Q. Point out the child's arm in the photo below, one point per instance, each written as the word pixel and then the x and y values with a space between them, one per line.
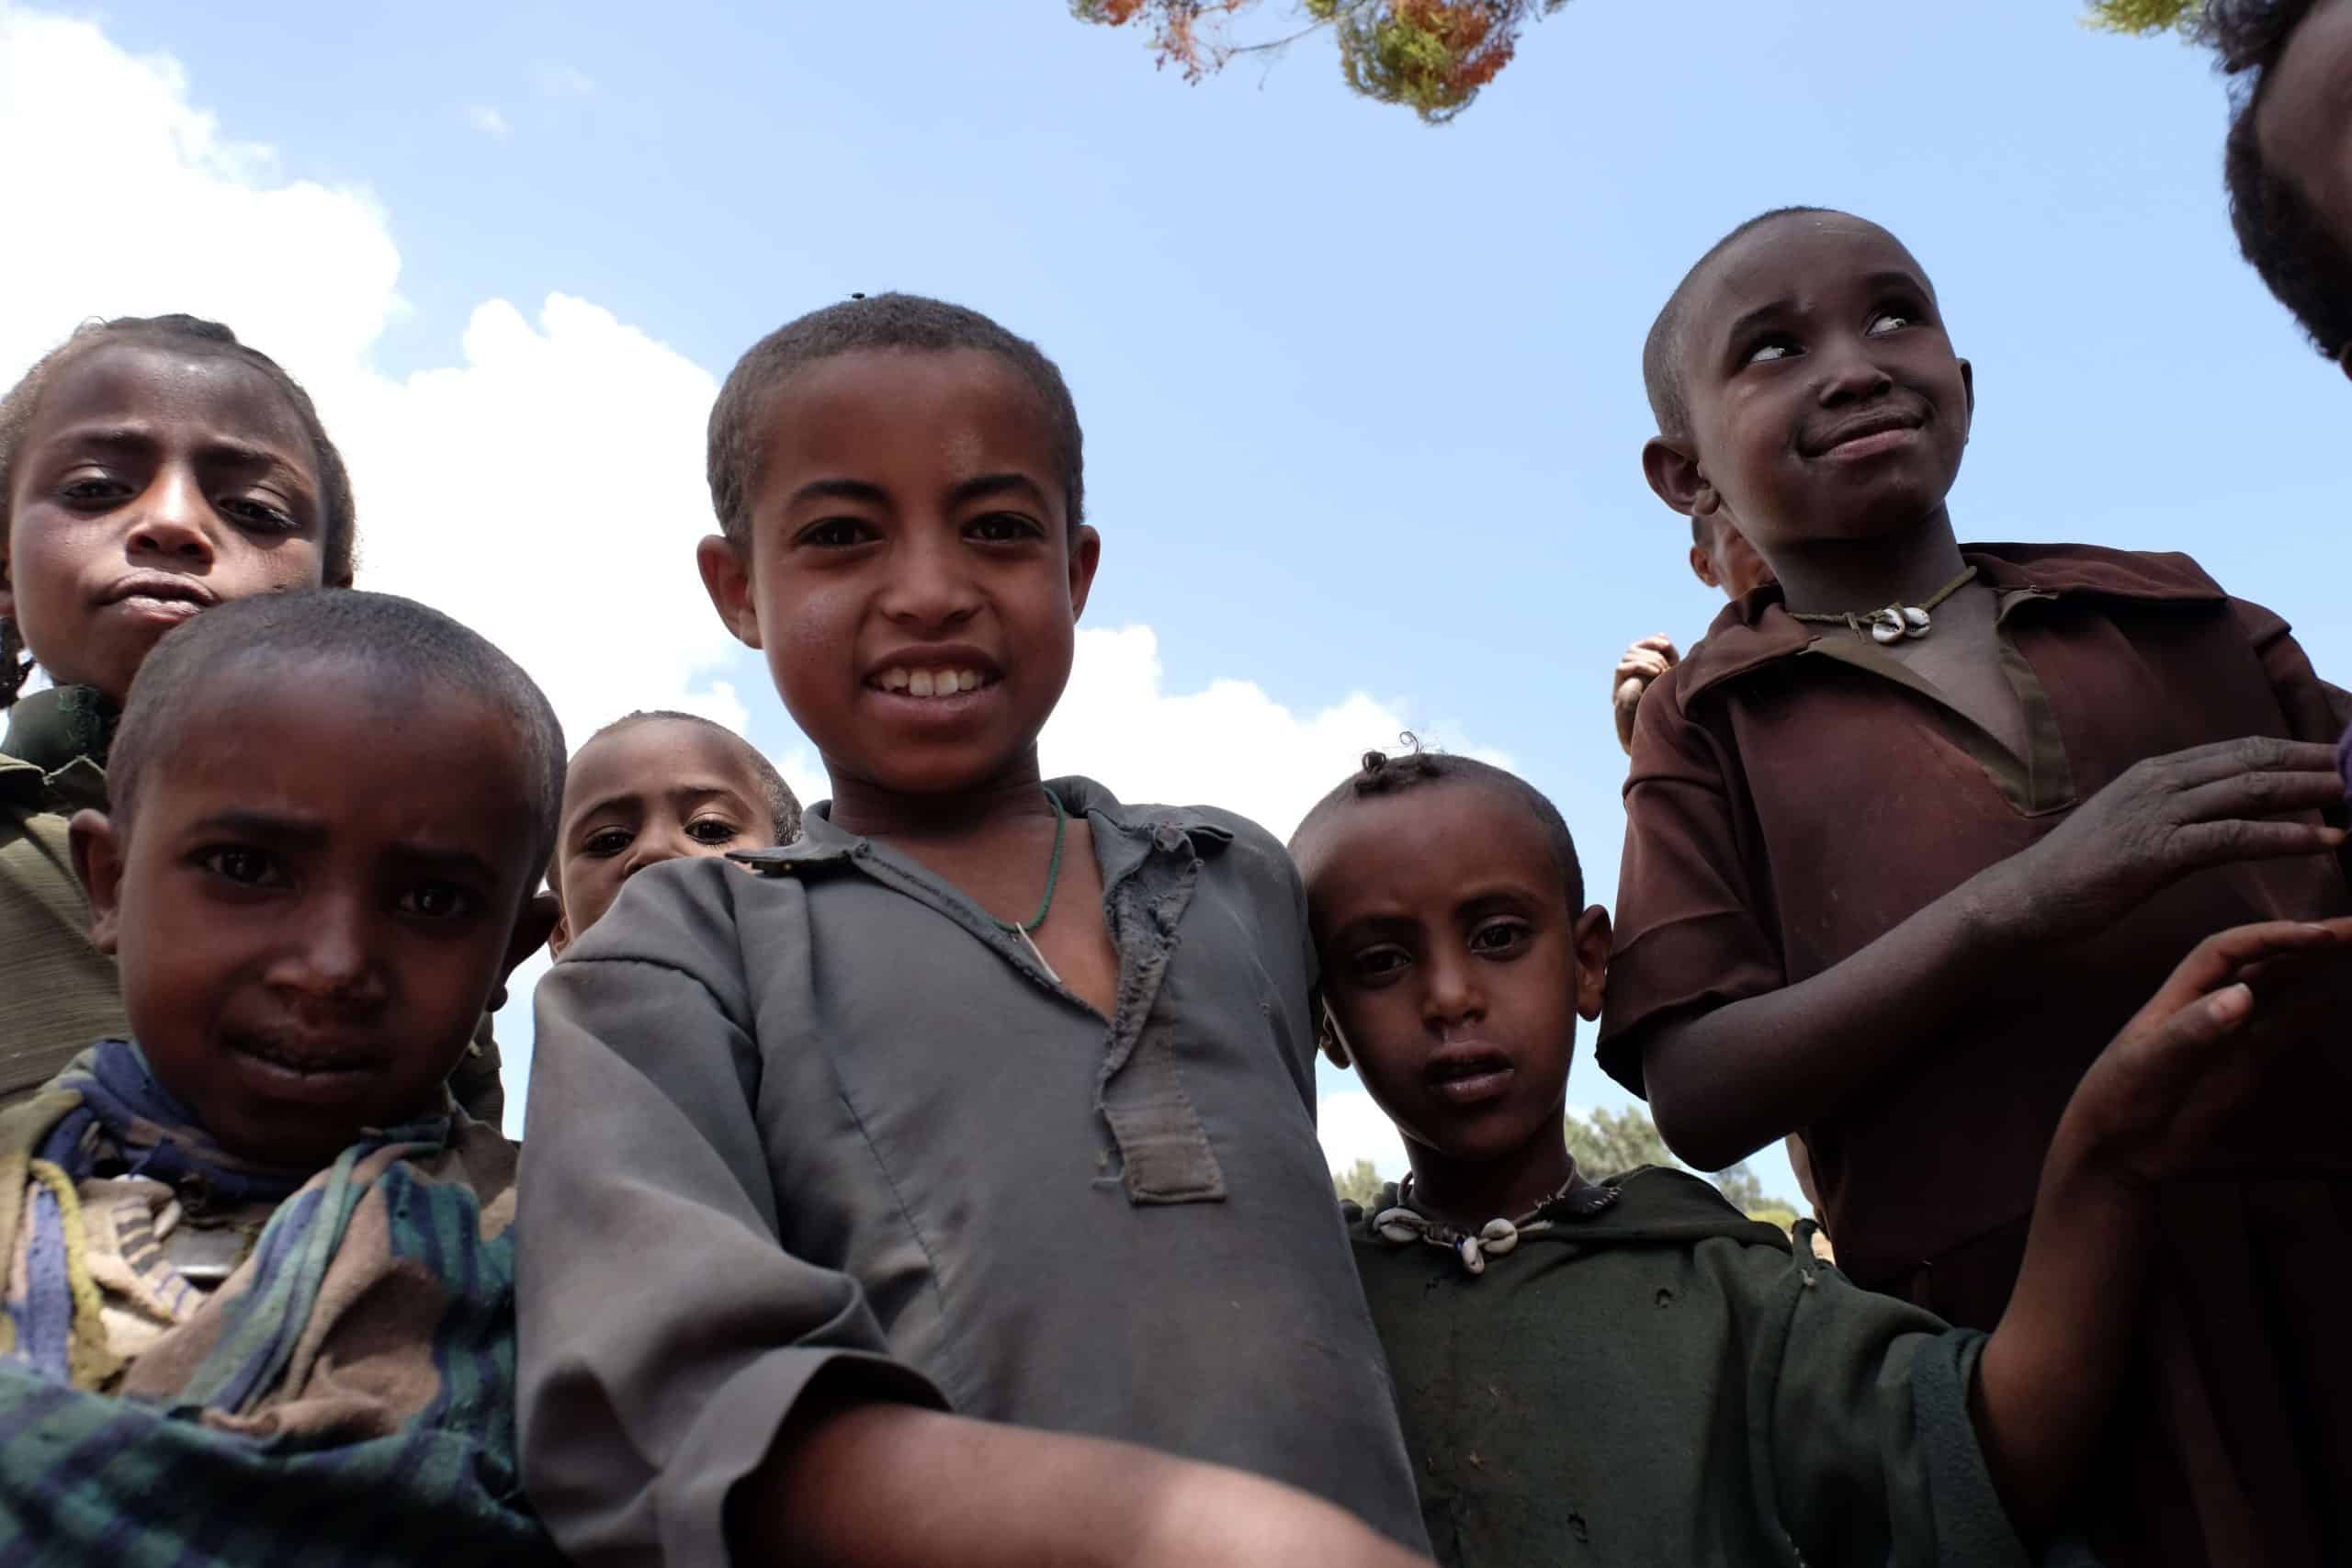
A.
pixel 1724 1082
pixel 889 1484
pixel 2141 1114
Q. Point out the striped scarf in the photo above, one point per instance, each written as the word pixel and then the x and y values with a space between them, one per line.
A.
pixel 345 1396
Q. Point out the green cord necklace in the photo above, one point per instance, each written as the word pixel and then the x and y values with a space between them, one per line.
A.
pixel 1045 905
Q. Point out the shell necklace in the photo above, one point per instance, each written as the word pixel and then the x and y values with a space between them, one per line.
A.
pixel 1896 623
pixel 1401 1224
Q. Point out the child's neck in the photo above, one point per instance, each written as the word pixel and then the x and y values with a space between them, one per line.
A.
pixel 870 810
pixel 1470 1192
pixel 1835 577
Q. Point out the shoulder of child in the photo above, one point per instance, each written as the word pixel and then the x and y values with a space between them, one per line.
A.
pixel 2143 574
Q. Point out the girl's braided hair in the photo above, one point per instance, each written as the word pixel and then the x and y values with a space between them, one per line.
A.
pixel 1382 773
pixel 338 525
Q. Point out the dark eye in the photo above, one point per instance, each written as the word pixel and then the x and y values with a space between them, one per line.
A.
pixel 1499 939
pixel 93 488
pixel 247 868
pixel 1375 965
pixel 1770 349
pixel 438 900
pixel 606 842
pixel 1003 528
pixel 835 534
pixel 1891 321
pixel 712 830
pixel 251 511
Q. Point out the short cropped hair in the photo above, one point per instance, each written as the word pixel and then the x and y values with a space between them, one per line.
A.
pixel 338 523
pixel 1662 350
pixel 2306 267
pixel 1383 774
pixel 421 649
pixel 879 323
pixel 784 807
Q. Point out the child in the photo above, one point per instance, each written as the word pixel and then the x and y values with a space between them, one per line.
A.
pixel 1630 1371
pixel 259 1270
pixel 149 467
pixel 1910 834
pixel 1721 558
pixel 987 1094
pixel 652 787
pixel 2285 162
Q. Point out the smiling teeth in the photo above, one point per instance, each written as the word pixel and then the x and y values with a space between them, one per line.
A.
pixel 929 683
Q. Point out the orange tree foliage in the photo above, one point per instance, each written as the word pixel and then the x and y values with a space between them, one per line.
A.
pixel 1432 56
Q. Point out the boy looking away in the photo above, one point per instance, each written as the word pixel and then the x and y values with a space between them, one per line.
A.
pixel 1631 1371
pixel 1912 833
pixel 989 1094
pixel 260 1289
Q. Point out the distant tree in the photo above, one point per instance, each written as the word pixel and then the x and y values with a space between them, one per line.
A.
pixel 1616 1141
pixel 1359 1184
pixel 1432 56
pixel 2142 17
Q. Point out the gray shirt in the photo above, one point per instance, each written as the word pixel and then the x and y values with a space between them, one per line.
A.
pixel 831 1119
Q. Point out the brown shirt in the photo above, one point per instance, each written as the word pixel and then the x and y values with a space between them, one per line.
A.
pixel 1796 794
pixel 832 1124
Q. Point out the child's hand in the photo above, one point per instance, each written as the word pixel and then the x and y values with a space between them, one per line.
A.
pixel 2149 1107
pixel 1644 662
pixel 2169 816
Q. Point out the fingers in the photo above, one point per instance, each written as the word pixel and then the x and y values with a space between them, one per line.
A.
pixel 2213 843
pixel 2268 793
pixel 2226 957
pixel 2251 754
pixel 1643 664
pixel 1661 645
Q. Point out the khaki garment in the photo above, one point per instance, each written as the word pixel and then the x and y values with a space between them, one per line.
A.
pixel 1795 795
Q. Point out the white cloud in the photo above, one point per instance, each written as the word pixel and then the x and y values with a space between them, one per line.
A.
pixel 1354 1128
pixel 554 79
pixel 487 120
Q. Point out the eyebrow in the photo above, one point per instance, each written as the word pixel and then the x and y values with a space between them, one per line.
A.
pixel 839 490
pixel 308 833
pixel 1889 277
pixel 981 486
pixel 978 487
pixel 694 790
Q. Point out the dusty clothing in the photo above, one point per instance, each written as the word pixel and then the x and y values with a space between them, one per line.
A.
pixel 1795 795
pixel 57 992
pixel 1664 1382
pixel 346 1393
pixel 832 1121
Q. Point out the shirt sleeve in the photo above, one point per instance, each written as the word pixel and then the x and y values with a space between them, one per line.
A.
pixel 665 1333
pixel 2315 710
pixel 1688 935
pixel 1867 1448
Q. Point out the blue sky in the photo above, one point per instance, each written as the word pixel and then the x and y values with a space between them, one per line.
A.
pixel 1361 397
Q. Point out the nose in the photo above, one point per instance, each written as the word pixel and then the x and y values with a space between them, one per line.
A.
pixel 1453 993
pixel 654 845
pixel 931 587
pixel 1851 373
pixel 333 959
pixel 173 519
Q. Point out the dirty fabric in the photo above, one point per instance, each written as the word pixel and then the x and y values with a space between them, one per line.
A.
pixel 1665 1381
pixel 344 1395
pixel 830 1120
pixel 1794 795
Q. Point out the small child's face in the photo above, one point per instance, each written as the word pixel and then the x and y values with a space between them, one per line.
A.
pixel 152 484
pixel 1825 402
pixel 2304 125
pixel 1454 965
pixel 911 574
pixel 650 792
pixel 311 921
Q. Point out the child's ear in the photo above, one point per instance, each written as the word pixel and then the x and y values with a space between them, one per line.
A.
pixel 1592 938
pixel 1674 475
pixel 1085 555
pixel 1327 1037
pixel 1702 567
pixel 726 578
pixel 560 937
pixel 97 846
pixel 532 926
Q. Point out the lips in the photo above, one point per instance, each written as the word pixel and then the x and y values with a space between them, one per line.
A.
pixel 934 672
pixel 1868 432
pixel 160 595
pixel 1468 1073
pixel 296 1068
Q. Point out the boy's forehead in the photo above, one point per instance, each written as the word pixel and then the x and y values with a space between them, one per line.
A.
pixel 1427 841
pixel 869 410
pixel 650 756
pixel 138 382
pixel 1792 257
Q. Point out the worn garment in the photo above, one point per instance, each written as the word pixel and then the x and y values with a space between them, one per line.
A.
pixel 1796 794
pixel 345 1396
pixel 1664 1382
pixel 57 992
pixel 832 1121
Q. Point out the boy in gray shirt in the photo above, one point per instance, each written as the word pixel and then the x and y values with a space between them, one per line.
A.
pixel 988 1095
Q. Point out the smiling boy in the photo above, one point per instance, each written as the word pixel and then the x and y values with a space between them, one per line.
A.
pixel 1912 833
pixel 259 1272
pixel 989 1093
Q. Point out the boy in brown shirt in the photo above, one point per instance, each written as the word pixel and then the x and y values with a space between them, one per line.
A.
pixel 1910 836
